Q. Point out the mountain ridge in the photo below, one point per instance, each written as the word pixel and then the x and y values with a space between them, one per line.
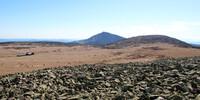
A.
pixel 109 40
pixel 147 39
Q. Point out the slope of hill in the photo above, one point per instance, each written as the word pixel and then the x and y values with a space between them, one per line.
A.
pixel 101 39
pixel 147 39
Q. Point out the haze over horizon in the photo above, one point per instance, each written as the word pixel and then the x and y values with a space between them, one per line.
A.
pixel 78 19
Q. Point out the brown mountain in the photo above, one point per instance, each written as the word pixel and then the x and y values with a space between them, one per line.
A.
pixel 148 39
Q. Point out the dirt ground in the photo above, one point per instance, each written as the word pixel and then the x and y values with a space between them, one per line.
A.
pixel 55 56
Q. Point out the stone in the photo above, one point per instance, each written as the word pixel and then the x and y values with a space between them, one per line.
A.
pixel 197 97
pixel 181 87
pixel 127 87
pixel 171 79
pixel 1 88
pixel 43 86
pixel 120 97
pixel 176 97
pixel 52 75
pixel 156 97
pixel 117 80
pixel 160 98
pixel 107 84
pixel 113 92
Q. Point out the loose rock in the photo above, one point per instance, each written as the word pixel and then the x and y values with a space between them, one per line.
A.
pixel 166 79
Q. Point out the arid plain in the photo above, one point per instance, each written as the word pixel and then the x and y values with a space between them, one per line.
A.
pixel 46 56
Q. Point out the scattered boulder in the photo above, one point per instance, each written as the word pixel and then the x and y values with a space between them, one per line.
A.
pixel 25 54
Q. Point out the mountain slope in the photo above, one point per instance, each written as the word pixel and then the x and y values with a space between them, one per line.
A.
pixel 101 39
pixel 134 41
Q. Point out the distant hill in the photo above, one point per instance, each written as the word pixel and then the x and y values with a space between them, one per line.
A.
pixel 101 39
pixel 134 41
pixel 195 45
pixel 35 40
pixel 47 43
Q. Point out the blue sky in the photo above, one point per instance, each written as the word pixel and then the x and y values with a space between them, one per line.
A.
pixel 79 19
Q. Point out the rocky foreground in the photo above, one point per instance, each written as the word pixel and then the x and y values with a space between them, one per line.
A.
pixel 169 79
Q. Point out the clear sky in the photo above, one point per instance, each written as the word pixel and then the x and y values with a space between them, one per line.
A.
pixel 79 19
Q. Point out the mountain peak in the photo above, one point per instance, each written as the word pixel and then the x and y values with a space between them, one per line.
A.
pixel 102 39
pixel 103 34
